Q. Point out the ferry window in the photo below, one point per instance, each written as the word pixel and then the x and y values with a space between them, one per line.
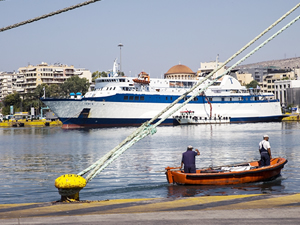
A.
pixel 142 98
pixel 166 98
pixel 196 99
pixel 230 99
pixel 210 99
pixel 171 98
pixel 223 99
pixel 125 97
pixel 136 98
pixel 179 84
pixel 114 88
pixel 172 84
pixel 130 97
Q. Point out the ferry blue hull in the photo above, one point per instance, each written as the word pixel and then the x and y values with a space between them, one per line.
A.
pixel 69 123
pixel 257 119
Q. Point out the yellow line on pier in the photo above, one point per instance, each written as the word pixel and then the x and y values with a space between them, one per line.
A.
pixel 172 204
pixel 149 205
pixel 271 202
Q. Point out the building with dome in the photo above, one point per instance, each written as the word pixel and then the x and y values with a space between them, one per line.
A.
pixel 180 72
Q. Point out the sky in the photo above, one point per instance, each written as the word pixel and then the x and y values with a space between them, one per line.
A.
pixel 156 34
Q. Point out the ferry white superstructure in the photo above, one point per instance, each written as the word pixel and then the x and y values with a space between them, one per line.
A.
pixel 125 101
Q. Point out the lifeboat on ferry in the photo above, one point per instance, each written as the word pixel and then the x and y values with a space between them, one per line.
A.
pixel 143 78
pixel 237 174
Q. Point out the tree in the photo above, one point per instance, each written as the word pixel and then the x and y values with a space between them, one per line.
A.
pixel 11 100
pixel 95 75
pixel 39 91
pixel 74 84
pixel 98 74
pixel 252 84
pixel 55 91
pixel 122 74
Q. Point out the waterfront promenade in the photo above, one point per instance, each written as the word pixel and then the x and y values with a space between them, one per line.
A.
pixel 230 209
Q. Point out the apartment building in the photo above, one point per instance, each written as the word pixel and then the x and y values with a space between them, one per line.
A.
pixel 29 77
pixel 7 79
pixel 244 78
pixel 267 84
pixel 207 67
pixel 288 91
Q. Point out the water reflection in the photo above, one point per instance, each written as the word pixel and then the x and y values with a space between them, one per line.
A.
pixel 208 190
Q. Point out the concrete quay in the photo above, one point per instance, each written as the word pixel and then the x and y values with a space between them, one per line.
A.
pixel 232 209
pixel 29 123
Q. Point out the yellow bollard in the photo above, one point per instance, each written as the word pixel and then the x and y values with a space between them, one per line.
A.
pixel 69 185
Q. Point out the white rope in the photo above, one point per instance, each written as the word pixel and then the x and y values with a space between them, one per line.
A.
pixel 147 129
pixel 48 15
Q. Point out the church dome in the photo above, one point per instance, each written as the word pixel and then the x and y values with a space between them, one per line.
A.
pixel 179 69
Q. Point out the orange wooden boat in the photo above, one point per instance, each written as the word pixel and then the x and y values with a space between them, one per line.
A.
pixel 143 78
pixel 238 174
pixel 137 80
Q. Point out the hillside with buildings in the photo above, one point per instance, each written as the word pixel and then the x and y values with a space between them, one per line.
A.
pixel 280 77
pixel 281 63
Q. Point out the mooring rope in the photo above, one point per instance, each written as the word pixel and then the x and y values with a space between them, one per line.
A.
pixel 48 15
pixel 146 128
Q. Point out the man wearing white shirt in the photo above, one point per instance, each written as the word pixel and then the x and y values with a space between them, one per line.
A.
pixel 265 151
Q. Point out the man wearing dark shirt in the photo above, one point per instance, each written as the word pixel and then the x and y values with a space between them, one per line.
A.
pixel 188 159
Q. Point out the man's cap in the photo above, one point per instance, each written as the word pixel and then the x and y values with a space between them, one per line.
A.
pixel 189 147
pixel 266 136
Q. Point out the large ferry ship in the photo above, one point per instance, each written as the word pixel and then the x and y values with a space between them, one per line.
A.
pixel 126 101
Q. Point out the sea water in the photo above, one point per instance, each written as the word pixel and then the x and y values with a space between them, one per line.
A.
pixel 32 158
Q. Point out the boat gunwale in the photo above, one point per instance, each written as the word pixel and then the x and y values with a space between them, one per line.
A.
pixel 233 173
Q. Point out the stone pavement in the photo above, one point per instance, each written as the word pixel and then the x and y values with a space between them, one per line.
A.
pixel 232 209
